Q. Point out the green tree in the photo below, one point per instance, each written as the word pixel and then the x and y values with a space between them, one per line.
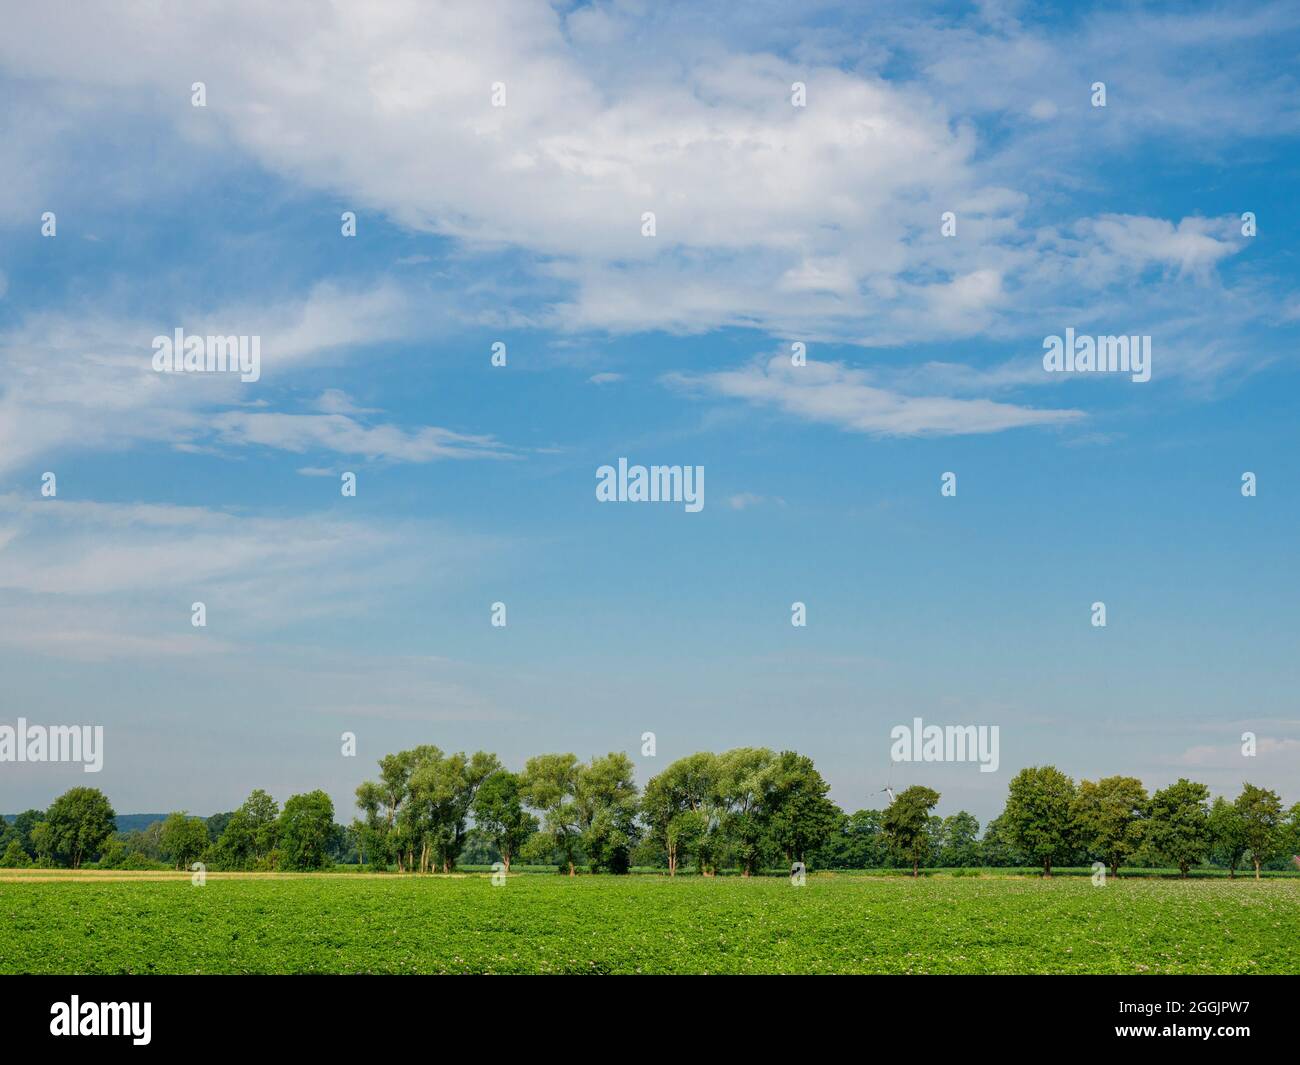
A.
pixel 1037 819
pixel 1261 818
pixel 548 783
pixel 855 843
pixel 801 817
pixel 147 842
pixel 906 823
pixel 20 829
pixel 305 829
pixel 114 853
pixel 45 844
pixel 867 846
pixel 436 817
pixel 385 838
pixel 539 849
pixel 217 824
pixel 183 839
pixel 344 845
pixel 1291 836
pixel 393 789
pixel 935 837
pixel 996 849
pixel 500 815
pixel 677 807
pixel 1179 823
pixel 372 827
pixel 14 856
pixel 605 808
pixel 1109 814
pixel 248 839
pixel 1227 835
pixel 76 825
pixel 960 840
pixel 746 777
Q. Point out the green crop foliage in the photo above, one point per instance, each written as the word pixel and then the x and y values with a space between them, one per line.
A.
pixel 642 924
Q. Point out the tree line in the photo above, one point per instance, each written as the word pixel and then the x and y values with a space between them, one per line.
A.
pixel 749 810
pixel 1050 821
pixel 80 827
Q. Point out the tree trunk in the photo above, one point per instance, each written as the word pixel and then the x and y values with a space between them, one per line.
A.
pixel 1182 870
pixel 1256 861
pixel 1047 868
pixel 915 864
pixel 571 872
pixel 505 860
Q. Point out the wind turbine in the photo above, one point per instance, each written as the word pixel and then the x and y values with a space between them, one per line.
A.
pixel 889 791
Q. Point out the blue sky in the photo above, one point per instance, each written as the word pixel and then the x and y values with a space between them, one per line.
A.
pixel 774 225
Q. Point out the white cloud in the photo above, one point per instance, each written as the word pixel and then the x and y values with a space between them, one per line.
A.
pixel 820 222
pixel 336 401
pixel 824 207
pixel 745 500
pixel 1271 751
pixel 1194 245
pixel 87 382
pixel 336 432
pixel 835 394
pixel 90 579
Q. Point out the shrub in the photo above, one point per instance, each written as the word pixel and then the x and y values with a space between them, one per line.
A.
pixel 14 856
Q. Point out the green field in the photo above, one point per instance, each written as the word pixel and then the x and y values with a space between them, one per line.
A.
pixel 550 924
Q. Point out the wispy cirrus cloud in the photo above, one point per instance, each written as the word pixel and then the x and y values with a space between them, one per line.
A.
pixel 747 500
pixel 339 433
pixel 92 579
pixel 86 382
pixel 835 394
pixel 1272 752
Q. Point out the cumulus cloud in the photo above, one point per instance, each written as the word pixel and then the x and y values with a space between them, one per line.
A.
pixel 817 222
pixel 821 218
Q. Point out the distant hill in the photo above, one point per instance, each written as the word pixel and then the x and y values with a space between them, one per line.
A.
pixel 125 822
pixel 135 822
